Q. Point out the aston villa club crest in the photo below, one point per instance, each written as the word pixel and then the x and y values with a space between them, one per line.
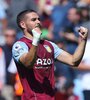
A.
pixel 48 48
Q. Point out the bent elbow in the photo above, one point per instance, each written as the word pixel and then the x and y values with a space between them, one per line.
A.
pixel 75 64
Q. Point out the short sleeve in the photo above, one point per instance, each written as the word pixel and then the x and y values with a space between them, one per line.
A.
pixel 57 50
pixel 19 48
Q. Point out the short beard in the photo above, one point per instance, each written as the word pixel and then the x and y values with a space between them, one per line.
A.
pixel 29 31
pixel 39 26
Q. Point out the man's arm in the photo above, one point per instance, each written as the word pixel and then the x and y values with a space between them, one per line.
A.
pixel 27 58
pixel 76 58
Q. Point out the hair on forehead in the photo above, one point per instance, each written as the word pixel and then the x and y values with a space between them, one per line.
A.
pixel 22 15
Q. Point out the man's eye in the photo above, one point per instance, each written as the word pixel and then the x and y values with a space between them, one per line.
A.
pixel 34 19
pixel 39 19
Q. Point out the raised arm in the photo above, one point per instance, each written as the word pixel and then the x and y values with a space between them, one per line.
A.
pixel 28 58
pixel 75 59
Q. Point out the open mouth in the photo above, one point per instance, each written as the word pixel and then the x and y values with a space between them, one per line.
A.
pixel 38 25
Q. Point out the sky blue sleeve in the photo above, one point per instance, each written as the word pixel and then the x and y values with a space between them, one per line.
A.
pixel 19 48
pixel 57 50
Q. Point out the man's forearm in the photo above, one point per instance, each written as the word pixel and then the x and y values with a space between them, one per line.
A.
pixel 28 59
pixel 77 56
pixel 31 56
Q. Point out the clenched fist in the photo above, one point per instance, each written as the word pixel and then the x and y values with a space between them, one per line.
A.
pixel 36 35
pixel 83 32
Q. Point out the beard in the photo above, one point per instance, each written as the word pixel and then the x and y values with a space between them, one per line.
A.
pixel 30 29
pixel 39 26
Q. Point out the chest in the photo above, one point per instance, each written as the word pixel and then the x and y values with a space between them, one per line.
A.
pixel 45 51
pixel 44 55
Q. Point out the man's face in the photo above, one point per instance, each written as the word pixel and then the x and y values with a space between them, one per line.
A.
pixel 31 21
pixel 10 36
pixel 72 15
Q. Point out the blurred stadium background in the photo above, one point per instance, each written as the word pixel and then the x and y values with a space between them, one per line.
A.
pixel 60 20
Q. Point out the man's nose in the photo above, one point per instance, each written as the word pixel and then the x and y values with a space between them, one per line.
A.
pixel 38 21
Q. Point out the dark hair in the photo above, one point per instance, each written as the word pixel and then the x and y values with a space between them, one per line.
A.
pixel 21 16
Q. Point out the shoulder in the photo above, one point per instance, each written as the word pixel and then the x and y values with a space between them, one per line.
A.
pixel 48 41
pixel 18 49
pixel 52 43
pixel 19 44
pixel 57 50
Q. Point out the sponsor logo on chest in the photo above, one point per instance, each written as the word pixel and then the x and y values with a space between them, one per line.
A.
pixel 45 61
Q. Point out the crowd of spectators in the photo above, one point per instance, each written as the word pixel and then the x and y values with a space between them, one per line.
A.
pixel 60 20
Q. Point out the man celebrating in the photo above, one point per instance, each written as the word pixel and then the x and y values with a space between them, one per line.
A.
pixel 35 57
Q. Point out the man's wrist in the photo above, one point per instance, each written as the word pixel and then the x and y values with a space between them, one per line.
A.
pixel 84 39
pixel 36 37
pixel 35 41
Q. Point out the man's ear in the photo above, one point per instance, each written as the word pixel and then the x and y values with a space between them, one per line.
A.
pixel 22 24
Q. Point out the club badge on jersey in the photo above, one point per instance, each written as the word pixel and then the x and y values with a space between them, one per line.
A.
pixel 48 48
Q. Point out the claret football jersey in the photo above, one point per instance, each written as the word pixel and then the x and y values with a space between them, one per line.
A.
pixel 37 81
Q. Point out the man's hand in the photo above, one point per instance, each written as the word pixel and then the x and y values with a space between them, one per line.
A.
pixel 36 35
pixel 83 32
